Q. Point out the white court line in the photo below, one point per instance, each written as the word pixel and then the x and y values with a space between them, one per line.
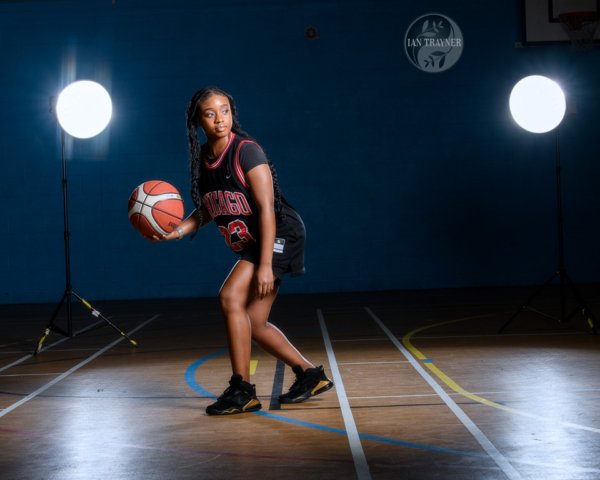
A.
pixel 534 392
pixel 498 335
pixel 358 455
pixel 27 357
pixel 56 350
pixel 483 335
pixel 14 352
pixel 411 395
pixel 72 370
pixel 479 436
pixel 378 339
pixel 372 363
pixel 58 342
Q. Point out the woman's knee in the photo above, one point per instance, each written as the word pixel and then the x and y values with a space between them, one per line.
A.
pixel 230 300
pixel 235 291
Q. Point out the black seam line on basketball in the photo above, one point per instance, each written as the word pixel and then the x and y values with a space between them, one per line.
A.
pixel 154 207
pixel 277 386
pixel 160 182
pixel 150 192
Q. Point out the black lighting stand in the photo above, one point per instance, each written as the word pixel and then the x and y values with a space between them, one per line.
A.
pixel 566 284
pixel 69 293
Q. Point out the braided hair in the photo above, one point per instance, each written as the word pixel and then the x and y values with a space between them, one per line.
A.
pixel 195 148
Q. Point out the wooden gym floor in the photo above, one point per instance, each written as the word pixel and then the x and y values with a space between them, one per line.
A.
pixel 426 389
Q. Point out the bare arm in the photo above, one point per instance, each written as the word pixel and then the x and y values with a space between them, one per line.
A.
pixel 261 185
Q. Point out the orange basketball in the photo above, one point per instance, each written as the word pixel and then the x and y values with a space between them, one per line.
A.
pixel 155 208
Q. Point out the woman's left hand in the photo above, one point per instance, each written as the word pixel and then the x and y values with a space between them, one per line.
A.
pixel 265 281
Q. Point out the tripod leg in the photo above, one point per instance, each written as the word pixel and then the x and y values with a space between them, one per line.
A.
pixel 525 305
pixel 586 312
pixel 97 314
pixel 50 327
pixel 514 315
pixel 590 319
pixel 41 340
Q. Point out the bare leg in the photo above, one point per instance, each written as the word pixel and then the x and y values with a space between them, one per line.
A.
pixel 233 300
pixel 246 317
pixel 269 337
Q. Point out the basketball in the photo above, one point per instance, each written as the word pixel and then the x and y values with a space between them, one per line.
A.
pixel 155 208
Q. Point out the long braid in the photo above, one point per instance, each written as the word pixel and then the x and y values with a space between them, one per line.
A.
pixel 195 148
pixel 276 192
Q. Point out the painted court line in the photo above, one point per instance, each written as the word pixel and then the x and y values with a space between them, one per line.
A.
pixel 344 340
pixel 190 379
pixel 58 379
pixel 373 363
pixel 277 385
pixel 54 344
pixel 49 347
pixel 479 436
pixel 27 357
pixel 431 366
pixel 533 392
pixel 497 335
pixel 358 454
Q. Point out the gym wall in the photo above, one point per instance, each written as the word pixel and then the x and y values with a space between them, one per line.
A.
pixel 405 179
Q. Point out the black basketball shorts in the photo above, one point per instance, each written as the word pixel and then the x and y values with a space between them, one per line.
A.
pixel 288 250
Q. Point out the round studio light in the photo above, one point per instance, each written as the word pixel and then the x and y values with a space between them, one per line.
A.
pixel 537 104
pixel 84 109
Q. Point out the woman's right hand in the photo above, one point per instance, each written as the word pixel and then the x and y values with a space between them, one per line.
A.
pixel 191 224
pixel 176 234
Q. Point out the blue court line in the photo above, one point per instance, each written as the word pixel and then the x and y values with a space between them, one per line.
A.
pixel 190 379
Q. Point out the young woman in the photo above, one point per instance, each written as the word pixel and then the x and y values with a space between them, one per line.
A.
pixel 234 184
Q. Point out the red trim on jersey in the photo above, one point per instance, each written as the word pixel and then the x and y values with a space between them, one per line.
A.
pixel 239 172
pixel 219 160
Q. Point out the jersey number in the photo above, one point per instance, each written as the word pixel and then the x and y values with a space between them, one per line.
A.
pixel 238 229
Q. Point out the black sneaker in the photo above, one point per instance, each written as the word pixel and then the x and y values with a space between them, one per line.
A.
pixel 309 383
pixel 239 397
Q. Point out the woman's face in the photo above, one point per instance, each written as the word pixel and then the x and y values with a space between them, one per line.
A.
pixel 215 117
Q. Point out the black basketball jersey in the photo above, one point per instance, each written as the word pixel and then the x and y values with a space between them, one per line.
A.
pixel 226 194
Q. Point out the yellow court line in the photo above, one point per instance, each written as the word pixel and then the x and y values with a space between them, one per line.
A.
pixel 406 341
pixel 253 366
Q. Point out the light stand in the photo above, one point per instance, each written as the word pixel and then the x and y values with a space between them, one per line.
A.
pixel 79 98
pixel 554 117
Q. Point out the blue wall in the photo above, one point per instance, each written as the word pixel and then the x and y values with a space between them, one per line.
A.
pixel 405 179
